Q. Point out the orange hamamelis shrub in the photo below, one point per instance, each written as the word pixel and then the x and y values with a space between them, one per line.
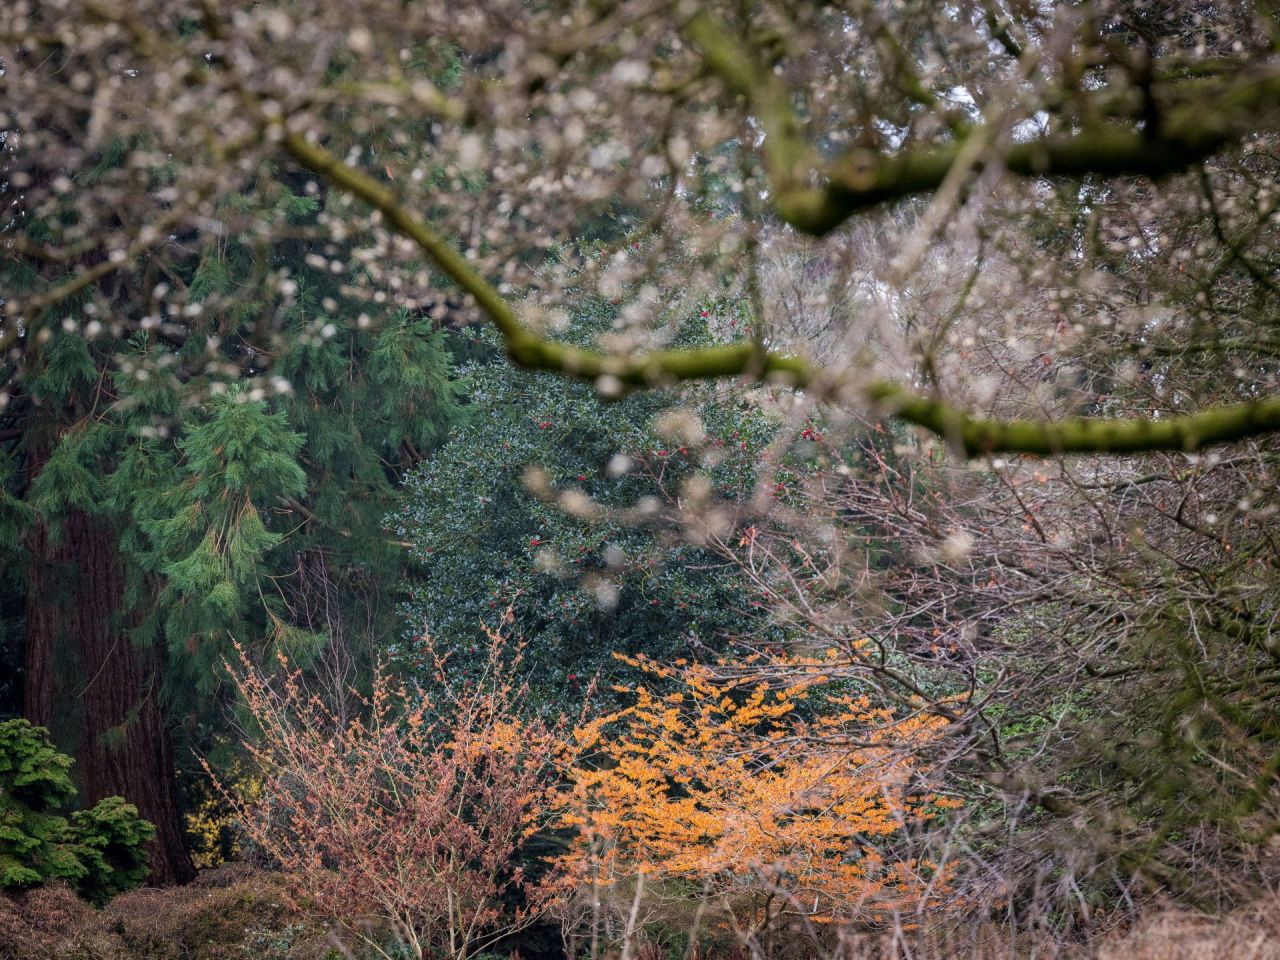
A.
pixel 779 801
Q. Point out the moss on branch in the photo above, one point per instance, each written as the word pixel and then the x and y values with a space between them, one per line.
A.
pixel 977 435
pixel 974 436
pixel 816 196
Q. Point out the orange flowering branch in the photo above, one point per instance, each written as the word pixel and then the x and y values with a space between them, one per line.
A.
pixel 783 800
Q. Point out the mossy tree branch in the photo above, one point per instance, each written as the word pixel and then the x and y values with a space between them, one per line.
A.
pixel 972 435
pixel 1199 117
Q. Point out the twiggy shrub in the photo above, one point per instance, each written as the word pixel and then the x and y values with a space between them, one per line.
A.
pixel 403 825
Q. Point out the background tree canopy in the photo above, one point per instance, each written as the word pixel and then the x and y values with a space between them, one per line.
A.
pixel 165 496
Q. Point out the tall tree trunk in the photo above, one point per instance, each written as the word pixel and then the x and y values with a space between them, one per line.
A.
pixel 97 692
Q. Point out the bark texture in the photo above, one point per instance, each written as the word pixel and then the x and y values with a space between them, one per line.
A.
pixel 87 682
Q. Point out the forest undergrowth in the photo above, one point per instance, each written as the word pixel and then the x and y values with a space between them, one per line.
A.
pixel 235 913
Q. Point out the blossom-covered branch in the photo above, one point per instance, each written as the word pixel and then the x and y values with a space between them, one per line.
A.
pixel 1198 118
pixel 971 435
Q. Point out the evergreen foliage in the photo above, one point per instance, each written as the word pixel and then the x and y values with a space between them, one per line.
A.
pixel 241 452
pixel 204 531
pixel 578 589
pixel 100 851
pixel 209 467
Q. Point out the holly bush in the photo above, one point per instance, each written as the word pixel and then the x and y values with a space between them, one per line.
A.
pixel 578 589
pixel 100 851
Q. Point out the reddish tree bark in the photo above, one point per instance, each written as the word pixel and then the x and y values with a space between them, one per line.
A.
pixel 86 681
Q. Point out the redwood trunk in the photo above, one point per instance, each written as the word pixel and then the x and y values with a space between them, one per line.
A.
pixel 97 692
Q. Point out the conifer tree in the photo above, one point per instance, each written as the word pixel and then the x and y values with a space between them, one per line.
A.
pixel 205 463
pixel 100 850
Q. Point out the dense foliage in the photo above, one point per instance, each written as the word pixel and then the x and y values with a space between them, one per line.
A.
pixel 486 518
pixel 935 342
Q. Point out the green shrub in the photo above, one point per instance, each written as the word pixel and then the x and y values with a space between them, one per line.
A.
pixel 100 852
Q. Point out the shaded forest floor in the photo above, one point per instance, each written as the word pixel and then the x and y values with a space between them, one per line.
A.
pixel 235 913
